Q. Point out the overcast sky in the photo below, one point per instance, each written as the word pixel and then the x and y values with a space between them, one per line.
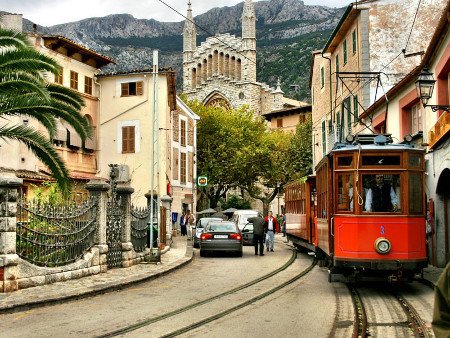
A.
pixel 52 12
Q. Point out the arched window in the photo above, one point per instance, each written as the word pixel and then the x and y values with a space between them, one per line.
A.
pixel 238 70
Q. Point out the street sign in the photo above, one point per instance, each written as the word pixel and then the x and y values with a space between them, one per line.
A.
pixel 202 181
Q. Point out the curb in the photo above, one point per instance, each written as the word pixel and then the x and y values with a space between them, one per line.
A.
pixel 101 289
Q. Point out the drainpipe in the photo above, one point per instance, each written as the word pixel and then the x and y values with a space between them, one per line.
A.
pixel 99 153
pixel 331 88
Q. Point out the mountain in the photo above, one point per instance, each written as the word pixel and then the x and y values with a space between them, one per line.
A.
pixel 287 32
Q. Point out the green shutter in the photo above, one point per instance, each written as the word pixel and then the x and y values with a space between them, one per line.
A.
pixel 322 77
pixel 355 109
pixel 345 51
pixel 324 139
pixel 354 41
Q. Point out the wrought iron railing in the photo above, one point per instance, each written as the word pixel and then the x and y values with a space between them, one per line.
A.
pixel 139 223
pixel 54 235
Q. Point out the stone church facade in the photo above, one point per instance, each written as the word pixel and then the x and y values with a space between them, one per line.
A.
pixel 222 70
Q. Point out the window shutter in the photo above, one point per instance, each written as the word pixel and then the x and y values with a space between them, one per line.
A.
pixel 131 139
pixel 124 139
pixel 140 88
pixel 124 89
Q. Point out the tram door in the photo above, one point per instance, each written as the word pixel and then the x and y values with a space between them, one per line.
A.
pixel 312 207
pixel 442 214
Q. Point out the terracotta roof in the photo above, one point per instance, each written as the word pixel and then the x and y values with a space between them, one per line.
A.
pixel 28 174
pixel 137 71
pixel 288 111
pixel 63 41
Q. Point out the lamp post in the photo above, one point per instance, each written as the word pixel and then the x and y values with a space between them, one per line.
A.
pixel 424 86
pixel 278 196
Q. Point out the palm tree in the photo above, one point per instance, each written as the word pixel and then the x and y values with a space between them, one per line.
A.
pixel 24 92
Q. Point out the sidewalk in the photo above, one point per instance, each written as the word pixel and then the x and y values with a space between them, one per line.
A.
pixel 177 255
pixel 431 274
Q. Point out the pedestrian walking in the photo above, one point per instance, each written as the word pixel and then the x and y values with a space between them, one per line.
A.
pixel 183 224
pixel 283 224
pixel 441 315
pixel 259 230
pixel 190 221
pixel 272 227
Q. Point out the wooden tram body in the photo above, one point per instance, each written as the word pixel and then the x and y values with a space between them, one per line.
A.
pixel 330 213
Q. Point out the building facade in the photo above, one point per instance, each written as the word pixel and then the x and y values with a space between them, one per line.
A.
pixel 79 69
pixel 370 50
pixel 222 70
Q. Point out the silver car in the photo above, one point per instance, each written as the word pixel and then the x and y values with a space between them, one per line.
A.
pixel 198 229
pixel 223 236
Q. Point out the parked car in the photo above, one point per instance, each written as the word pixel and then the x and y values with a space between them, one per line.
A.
pixel 247 234
pixel 240 217
pixel 221 236
pixel 198 229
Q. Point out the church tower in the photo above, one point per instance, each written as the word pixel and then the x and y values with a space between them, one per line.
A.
pixel 189 46
pixel 249 40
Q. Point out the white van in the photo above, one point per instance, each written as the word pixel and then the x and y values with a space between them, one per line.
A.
pixel 240 217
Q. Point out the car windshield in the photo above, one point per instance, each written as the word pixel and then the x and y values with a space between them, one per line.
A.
pixel 227 227
pixel 204 221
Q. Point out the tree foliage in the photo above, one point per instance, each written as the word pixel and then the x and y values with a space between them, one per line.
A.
pixel 25 92
pixel 300 151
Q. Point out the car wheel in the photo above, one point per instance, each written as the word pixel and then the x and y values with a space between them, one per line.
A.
pixel 239 253
pixel 202 253
pixel 196 245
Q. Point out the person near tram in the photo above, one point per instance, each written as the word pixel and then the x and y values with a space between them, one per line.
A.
pixel 259 229
pixel 381 196
pixel 272 227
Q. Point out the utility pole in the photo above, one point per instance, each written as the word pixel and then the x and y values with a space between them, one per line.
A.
pixel 155 255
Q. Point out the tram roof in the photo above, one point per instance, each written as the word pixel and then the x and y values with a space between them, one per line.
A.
pixel 341 147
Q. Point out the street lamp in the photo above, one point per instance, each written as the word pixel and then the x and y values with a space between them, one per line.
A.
pixel 424 86
pixel 278 196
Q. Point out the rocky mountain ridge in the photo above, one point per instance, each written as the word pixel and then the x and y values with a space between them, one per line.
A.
pixel 280 24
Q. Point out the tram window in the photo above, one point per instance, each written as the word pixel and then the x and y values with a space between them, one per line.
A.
pixel 345 161
pixel 415 160
pixel 381 192
pixel 415 193
pixel 345 192
pixel 381 160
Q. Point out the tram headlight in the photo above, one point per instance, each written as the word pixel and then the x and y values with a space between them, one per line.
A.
pixel 382 245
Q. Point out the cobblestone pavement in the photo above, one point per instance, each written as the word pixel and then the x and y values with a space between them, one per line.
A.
pixel 178 254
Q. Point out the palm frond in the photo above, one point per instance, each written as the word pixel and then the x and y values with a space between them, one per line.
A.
pixel 43 150
pixel 9 38
pixel 66 95
pixel 14 84
pixel 27 60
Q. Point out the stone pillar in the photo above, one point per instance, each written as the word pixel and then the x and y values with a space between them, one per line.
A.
pixel 166 202
pixel 9 184
pixel 124 191
pixel 98 189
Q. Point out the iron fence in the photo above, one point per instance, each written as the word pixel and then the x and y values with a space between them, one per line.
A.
pixel 55 235
pixel 139 223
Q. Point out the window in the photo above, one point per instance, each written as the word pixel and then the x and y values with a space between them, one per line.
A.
pixel 354 41
pixel 345 161
pixel 88 85
pixel 128 139
pixel 355 109
pixel 279 123
pixel 73 80
pixel 324 138
pixel 59 77
pixel 346 110
pixel 132 88
pixel 322 77
pixel 337 63
pixel 183 168
pixel 381 160
pixel 344 45
pixel 416 119
pixel 345 192
pixel 381 192
pixel 415 193
pixel 183 133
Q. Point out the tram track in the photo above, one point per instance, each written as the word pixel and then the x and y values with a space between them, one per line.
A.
pixel 382 306
pixel 147 322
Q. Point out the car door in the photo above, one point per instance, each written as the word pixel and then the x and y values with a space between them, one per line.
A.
pixel 247 234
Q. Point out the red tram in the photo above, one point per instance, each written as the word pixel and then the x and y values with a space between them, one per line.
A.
pixel 364 211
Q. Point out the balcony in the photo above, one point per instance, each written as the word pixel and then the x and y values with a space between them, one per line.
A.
pixel 439 131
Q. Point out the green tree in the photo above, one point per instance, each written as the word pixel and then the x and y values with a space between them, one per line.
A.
pixel 24 92
pixel 236 202
pixel 300 151
pixel 227 144
pixel 271 171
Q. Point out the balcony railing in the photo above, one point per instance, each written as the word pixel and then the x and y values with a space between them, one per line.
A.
pixel 440 130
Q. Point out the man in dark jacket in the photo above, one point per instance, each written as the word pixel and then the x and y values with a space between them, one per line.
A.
pixel 259 230
pixel 441 316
